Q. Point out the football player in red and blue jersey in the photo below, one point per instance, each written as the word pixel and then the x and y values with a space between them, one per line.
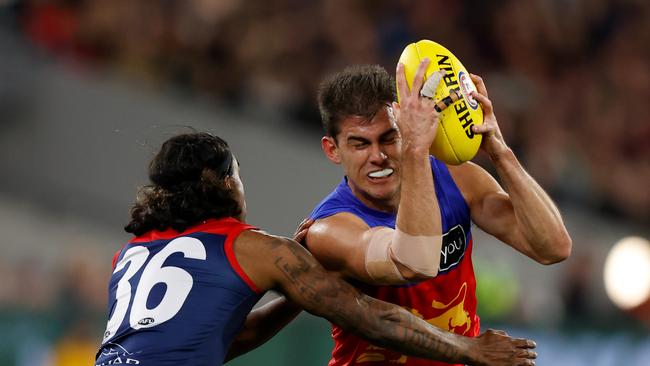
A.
pixel 182 289
pixel 398 226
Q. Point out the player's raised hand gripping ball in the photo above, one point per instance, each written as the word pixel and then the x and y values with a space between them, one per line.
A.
pixel 455 143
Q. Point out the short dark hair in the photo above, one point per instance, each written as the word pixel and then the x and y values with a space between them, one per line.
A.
pixel 187 185
pixel 359 90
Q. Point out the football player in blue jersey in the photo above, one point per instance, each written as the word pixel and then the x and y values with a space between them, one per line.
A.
pixel 182 288
pixel 398 225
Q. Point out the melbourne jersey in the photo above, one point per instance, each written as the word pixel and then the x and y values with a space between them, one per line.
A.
pixel 447 301
pixel 177 298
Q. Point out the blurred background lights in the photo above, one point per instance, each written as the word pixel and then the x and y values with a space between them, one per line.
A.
pixel 627 272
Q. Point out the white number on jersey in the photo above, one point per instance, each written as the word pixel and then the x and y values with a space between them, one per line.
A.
pixel 178 281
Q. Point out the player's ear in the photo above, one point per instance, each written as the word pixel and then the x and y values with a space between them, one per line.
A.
pixel 331 149
pixel 229 182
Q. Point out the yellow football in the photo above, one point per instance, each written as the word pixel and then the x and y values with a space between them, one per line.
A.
pixel 455 143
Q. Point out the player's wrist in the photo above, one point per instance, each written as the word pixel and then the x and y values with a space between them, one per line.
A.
pixel 501 153
pixel 471 351
pixel 415 149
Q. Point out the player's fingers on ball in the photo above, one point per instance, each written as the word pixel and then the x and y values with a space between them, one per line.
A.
pixel 431 104
pixel 482 129
pixel 402 86
pixel 436 78
pixel 418 81
pixel 486 103
pixel 480 85
pixel 441 106
pixel 431 84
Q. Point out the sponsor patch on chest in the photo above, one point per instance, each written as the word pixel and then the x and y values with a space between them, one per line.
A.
pixel 454 244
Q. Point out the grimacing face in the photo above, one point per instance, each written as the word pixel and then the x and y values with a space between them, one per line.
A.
pixel 369 152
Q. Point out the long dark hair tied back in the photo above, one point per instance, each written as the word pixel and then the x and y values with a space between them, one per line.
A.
pixel 187 185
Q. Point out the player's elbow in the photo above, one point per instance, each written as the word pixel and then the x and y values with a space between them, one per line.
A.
pixel 415 276
pixel 394 258
pixel 560 250
pixel 419 277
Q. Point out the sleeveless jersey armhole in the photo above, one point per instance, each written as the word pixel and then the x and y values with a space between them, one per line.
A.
pixel 232 259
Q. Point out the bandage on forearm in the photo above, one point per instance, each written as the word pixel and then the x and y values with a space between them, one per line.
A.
pixel 420 254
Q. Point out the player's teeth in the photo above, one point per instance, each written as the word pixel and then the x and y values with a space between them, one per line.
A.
pixel 381 173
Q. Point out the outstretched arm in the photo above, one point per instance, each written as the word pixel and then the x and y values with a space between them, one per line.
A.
pixel 290 268
pixel 524 216
pixel 267 320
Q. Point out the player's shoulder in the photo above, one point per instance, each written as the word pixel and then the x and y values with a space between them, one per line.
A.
pixel 465 170
pixel 336 240
pixel 472 180
pixel 335 226
pixel 257 240
pixel 470 174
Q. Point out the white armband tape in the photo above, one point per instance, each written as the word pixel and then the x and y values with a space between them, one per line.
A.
pixel 379 264
pixel 421 254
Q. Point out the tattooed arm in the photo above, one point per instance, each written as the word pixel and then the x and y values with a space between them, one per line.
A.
pixel 267 320
pixel 273 262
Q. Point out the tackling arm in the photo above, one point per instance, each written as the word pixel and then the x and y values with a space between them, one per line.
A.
pixel 267 320
pixel 281 263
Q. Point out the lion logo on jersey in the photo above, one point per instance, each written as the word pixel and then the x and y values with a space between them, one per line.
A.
pixel 453 317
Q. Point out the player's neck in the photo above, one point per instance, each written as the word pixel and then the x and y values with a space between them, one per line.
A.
pixel 379 204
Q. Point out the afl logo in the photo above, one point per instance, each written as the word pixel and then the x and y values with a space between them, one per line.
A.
pixel 466 87
pixel 146 321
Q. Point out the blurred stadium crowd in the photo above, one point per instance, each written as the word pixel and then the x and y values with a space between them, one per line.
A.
pixel 50 316
pixel 570 79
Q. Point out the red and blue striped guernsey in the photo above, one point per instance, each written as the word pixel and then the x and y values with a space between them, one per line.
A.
pixel 447 301
pixel 177 298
